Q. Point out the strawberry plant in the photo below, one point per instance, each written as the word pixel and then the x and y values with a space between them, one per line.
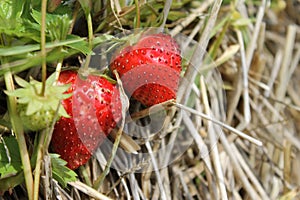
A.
pixel 95 104
pixel 26 33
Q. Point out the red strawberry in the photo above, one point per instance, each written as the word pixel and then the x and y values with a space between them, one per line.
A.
pixel 95 109
pixel 150 69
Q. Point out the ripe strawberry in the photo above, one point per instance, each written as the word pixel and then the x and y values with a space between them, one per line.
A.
pixel 95 109
pixel 37 111
pixel 150 69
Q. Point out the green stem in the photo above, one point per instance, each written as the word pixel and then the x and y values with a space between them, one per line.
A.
pixel 90 39
pixel 43 46
pixel 90 30
pixel 39 158
pixel 85 176
pixel 19 131
pixel 42 135
pixel 102 176
pixel 215 47
pixel 138 18
pixel 125 106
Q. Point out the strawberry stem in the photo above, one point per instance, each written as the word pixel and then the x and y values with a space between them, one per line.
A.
pixel 102 176
pixel 43 46
pixel 85 176
pixel 90 39
pixel 138 18
pixel 39 158
pixel 44 77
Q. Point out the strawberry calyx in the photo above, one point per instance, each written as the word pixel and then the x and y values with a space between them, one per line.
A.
pixel 38 111
pixel 84 73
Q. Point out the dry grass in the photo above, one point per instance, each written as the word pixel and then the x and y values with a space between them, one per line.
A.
pixel 242 112
pixel 261 100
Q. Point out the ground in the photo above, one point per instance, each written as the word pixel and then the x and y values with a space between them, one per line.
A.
pixel 233 132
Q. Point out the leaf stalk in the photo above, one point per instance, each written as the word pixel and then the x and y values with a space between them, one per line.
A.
pixel 43 46
pixel 19 131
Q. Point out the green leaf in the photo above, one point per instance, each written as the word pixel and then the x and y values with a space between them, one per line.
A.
pixel 11 9
pixel 60 172
pixel 66 96
pixel 51 80
pixel 37 16
pixel 57 25
pixel 53 104
pixel 35 60
pixel 5 123
pixel 33 107
pixel 85 6
pixel 103 38
pixel 220 25
pixel 21 82
pixel 175 15
pixel 20 92
pixel 9 182
pixel 81 46
pixel 13 20
pixel 59 90
pixel 23 100
pixel 16 50
pixel 10 160
pixel 62 112
pixel 17 8
pixel 5 10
